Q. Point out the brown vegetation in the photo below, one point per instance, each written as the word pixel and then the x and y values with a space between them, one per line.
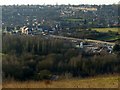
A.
pixel 96 82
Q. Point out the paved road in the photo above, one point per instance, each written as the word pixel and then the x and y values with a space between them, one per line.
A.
pixel 77 39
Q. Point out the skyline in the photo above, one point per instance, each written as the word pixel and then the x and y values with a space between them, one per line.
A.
pixel 59 2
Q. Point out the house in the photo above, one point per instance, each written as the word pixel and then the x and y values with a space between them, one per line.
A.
pixel 26 30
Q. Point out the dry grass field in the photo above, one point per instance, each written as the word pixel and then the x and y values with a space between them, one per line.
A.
pixel 96 82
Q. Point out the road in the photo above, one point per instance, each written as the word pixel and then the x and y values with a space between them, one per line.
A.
pixel 86 40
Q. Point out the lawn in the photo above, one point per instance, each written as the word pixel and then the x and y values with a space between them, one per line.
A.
pixel 95 82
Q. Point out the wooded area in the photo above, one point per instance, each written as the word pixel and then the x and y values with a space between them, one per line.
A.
pixel 38 58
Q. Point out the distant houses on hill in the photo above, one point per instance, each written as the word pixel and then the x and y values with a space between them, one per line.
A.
pixel 30 30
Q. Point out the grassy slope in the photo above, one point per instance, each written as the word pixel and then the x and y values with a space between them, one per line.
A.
pixel 106 29
pixel 96 82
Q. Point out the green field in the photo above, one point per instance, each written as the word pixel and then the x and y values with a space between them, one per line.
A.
pixel 113 37
pixel 107 29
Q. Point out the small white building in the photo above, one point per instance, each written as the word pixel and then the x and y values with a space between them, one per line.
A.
pixel 24 30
